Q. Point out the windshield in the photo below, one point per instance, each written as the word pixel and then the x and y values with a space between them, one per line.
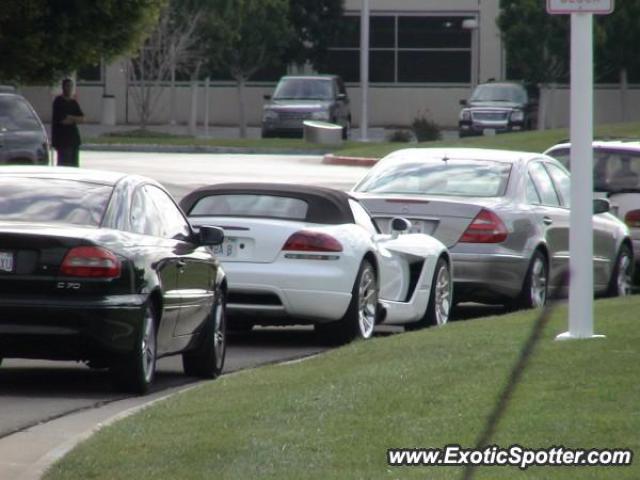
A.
pixel 27 199
pixel 16 115
pixel 466 178
pixel 499 93
pixel 613 170
pixel 304 89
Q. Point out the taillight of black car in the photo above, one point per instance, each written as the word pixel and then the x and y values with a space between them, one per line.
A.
pixel 91 262
pixel 486 227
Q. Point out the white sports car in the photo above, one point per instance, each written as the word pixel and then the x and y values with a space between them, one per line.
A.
pixel 298 254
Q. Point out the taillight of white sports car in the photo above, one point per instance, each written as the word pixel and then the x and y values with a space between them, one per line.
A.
pixel 307 241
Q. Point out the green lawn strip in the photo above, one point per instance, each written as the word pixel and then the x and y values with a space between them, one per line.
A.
pixel 335 416
pixel 142 137
pixel 534 141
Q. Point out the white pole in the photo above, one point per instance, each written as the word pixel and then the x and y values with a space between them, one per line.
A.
pixel 364 69
pixel 581 231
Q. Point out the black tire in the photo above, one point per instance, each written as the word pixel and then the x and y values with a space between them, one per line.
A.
pixel 135 372
pixel 618 286
pixel 350 327
pixel 433 315
pixel 207 360
pixel 528 298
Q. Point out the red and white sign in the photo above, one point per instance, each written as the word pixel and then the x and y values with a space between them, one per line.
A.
pixel 600 7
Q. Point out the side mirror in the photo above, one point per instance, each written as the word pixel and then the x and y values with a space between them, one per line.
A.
pixel 463 103
pixel 267 97
pixel 211 236
pixel 601 205
pixel 400 225
pixel 342 96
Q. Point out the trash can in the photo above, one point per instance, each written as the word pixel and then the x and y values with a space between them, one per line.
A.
pixel 323 133
pixel 108 110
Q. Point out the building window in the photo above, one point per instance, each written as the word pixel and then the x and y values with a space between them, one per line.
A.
pixel 406 49
pixel 89 74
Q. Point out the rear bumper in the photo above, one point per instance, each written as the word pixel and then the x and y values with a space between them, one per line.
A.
pixel 67 329
pixel 317 293
pixel 488 277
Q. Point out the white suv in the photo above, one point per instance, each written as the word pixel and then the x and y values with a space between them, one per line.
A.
pixel 616 176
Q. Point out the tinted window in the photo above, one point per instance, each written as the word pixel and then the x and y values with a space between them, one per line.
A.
pixel 499 93
pixel 466 178
pixel 563 155
pixel 27 199
pixel 247 205
pixel 293 88
pixel 173 223
pixel 562 182
pixel 544 185
pixel 16 114
pixel 362 217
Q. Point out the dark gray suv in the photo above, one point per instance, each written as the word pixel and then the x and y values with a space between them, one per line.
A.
pixel 300 98
pixel 497 107
pixel 23 138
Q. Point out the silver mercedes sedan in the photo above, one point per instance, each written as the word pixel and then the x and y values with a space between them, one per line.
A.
pixel 504 216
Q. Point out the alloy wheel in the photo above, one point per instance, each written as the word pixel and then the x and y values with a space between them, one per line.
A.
pixel 443 296
pixel 538 283
pixel 367 303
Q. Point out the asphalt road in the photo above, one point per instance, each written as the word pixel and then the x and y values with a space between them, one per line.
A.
pixel 33 392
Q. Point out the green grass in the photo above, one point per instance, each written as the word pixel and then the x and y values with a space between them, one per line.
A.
pixel 150 137
pixel 335 416
pixel 527 141
pixel 533 141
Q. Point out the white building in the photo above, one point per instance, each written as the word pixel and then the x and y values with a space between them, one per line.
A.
pixel 425 55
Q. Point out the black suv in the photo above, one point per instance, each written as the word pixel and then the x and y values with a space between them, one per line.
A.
pixel 23 138
pixel 300 98
pixel 497 107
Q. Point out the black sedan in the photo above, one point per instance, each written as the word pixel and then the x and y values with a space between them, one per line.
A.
pixel 103 268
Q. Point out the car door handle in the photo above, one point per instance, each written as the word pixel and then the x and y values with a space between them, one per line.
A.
pixel 182 264
pixel 547 220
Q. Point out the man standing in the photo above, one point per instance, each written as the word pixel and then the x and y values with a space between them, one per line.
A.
pixel 65 136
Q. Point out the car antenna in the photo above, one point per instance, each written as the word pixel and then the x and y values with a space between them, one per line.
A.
pixel 445 159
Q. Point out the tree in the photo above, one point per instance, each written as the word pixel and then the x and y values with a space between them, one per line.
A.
pixel 243 36
pixel 173 44
pixel 316 24
pixel 42 40
pixel 619 51
pixel 537 45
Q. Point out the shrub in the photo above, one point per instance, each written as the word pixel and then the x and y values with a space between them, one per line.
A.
pixel 401 136
pixel 424 128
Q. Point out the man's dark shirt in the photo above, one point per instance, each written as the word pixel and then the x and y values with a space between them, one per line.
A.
pixel 64 136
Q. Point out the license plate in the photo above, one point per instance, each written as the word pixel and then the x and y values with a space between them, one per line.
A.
pixel 416 227
pixel 6 262
pixel 489 131
pixel 227 249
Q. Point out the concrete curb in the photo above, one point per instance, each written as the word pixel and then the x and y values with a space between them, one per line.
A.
pixel 331 159
pixel 124 147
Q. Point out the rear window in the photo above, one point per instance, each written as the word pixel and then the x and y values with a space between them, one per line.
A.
pixel 476 178
pixel 15 114
pixel 614 170
pixel 26 199
pixel 251 205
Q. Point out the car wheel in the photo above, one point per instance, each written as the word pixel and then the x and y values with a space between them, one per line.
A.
pixel 362 313
pixel 135 372
pixel 536 283
pixel 440 299
pixel 207 360
pixel 621 281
